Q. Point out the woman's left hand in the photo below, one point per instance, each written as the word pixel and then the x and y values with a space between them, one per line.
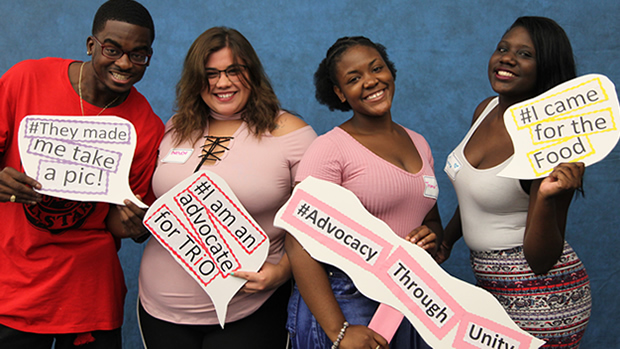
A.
pixel 424 237
pixel 566 177
pixel 268 277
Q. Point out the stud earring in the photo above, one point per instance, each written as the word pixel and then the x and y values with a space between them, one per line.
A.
pixel 88 53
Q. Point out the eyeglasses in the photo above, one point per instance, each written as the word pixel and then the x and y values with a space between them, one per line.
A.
pixel 233 73
pixel 138 57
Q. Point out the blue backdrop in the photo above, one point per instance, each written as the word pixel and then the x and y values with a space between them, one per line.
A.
pixel 440 48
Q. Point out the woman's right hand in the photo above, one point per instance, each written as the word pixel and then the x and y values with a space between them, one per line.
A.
pixel 362 337
pixel 17 185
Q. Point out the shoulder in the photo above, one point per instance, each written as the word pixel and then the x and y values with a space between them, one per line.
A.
pixel 420 142
pixel 287 123
pixel 37 66
pixel 139 108
pixel 138 111
pixel 480 108
pixel 332 144
pixel 413 134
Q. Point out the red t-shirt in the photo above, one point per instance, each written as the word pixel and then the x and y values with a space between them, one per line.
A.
pixel 59 270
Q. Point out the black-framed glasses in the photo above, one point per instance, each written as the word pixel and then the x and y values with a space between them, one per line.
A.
pixel 233 73
pixel 139 57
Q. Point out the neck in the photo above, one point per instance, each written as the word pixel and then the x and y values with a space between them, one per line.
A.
pixel 92 91
pixel 506 102
pixel 370 125
pixel 221 117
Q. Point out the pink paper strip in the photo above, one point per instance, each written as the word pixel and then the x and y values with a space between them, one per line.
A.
pixel 386 321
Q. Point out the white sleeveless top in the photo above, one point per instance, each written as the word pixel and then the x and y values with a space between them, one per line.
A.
pixel 493 209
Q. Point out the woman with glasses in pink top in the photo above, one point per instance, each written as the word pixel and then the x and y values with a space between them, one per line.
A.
pixel 229 118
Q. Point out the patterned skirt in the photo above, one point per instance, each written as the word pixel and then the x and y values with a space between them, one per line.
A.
pixel 554 307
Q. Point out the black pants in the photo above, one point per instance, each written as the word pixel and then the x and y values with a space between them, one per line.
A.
pixel 14 339
pixel 264 329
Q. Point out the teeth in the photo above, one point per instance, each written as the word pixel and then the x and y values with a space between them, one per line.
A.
pixel 376 95
pixel 505 73
pixel 226 95
pixel 120 76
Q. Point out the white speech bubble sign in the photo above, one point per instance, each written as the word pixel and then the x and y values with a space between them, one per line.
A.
pixel 210 234
pixel 79 158
pixel 574 121
pixel 334 227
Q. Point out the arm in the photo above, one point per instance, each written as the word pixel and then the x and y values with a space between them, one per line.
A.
pixel 452 234
pixel 550 199
pixel 268 277
pixel 273 275
pixel 430 233
pixel 316 291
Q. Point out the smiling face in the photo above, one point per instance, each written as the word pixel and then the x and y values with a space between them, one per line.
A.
pixel 364 81
pixel 224 96
pixel 512 67
pixel 118 76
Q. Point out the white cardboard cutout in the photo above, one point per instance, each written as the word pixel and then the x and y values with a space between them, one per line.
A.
pixel 333 226
pixel 574 121
pixel 79 158
pixel 210 234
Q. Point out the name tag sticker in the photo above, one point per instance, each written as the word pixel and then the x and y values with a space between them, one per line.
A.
pixel 453 166
pixel 178 156
pixel 431 189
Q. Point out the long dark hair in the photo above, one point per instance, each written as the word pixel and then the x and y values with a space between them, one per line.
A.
pixel 192 112
pixel 555 62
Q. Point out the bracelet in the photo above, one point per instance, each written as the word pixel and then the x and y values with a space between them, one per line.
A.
pixel 340 335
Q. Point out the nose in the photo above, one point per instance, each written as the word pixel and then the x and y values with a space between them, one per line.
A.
pixel 370 81
pixel 223 80
pixel 507 57
pixel 123 61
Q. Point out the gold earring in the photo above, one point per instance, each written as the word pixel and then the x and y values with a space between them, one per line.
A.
pixel 88 53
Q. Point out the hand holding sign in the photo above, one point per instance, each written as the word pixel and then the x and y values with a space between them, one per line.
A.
pixel 77 158
pixel 574 121
pixel 210 234
pixel 334 227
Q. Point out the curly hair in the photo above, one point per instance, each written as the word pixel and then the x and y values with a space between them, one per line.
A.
pixel 325 75
pixel 555 62
pixel 192 112
pixel 127 11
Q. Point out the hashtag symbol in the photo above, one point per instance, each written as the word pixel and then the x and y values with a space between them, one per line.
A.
pixel 303 210
pixel 34 126
pixel 202 187
pixel 526 118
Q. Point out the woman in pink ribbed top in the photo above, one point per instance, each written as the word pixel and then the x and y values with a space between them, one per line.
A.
pixel 388 167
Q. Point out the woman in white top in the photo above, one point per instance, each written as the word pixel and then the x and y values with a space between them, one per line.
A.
pixel 515 229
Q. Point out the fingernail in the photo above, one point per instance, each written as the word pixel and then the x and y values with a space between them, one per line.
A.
pixel 232 273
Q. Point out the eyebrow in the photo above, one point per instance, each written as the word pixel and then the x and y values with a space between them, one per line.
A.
pixel 370 64
pixel 230 66
pixel 521 46
pixel 112 42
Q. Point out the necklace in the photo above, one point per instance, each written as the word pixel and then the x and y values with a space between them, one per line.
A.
pixel 80 94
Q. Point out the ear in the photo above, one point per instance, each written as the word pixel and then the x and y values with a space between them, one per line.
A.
pixel 339 93
pixel 90 45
